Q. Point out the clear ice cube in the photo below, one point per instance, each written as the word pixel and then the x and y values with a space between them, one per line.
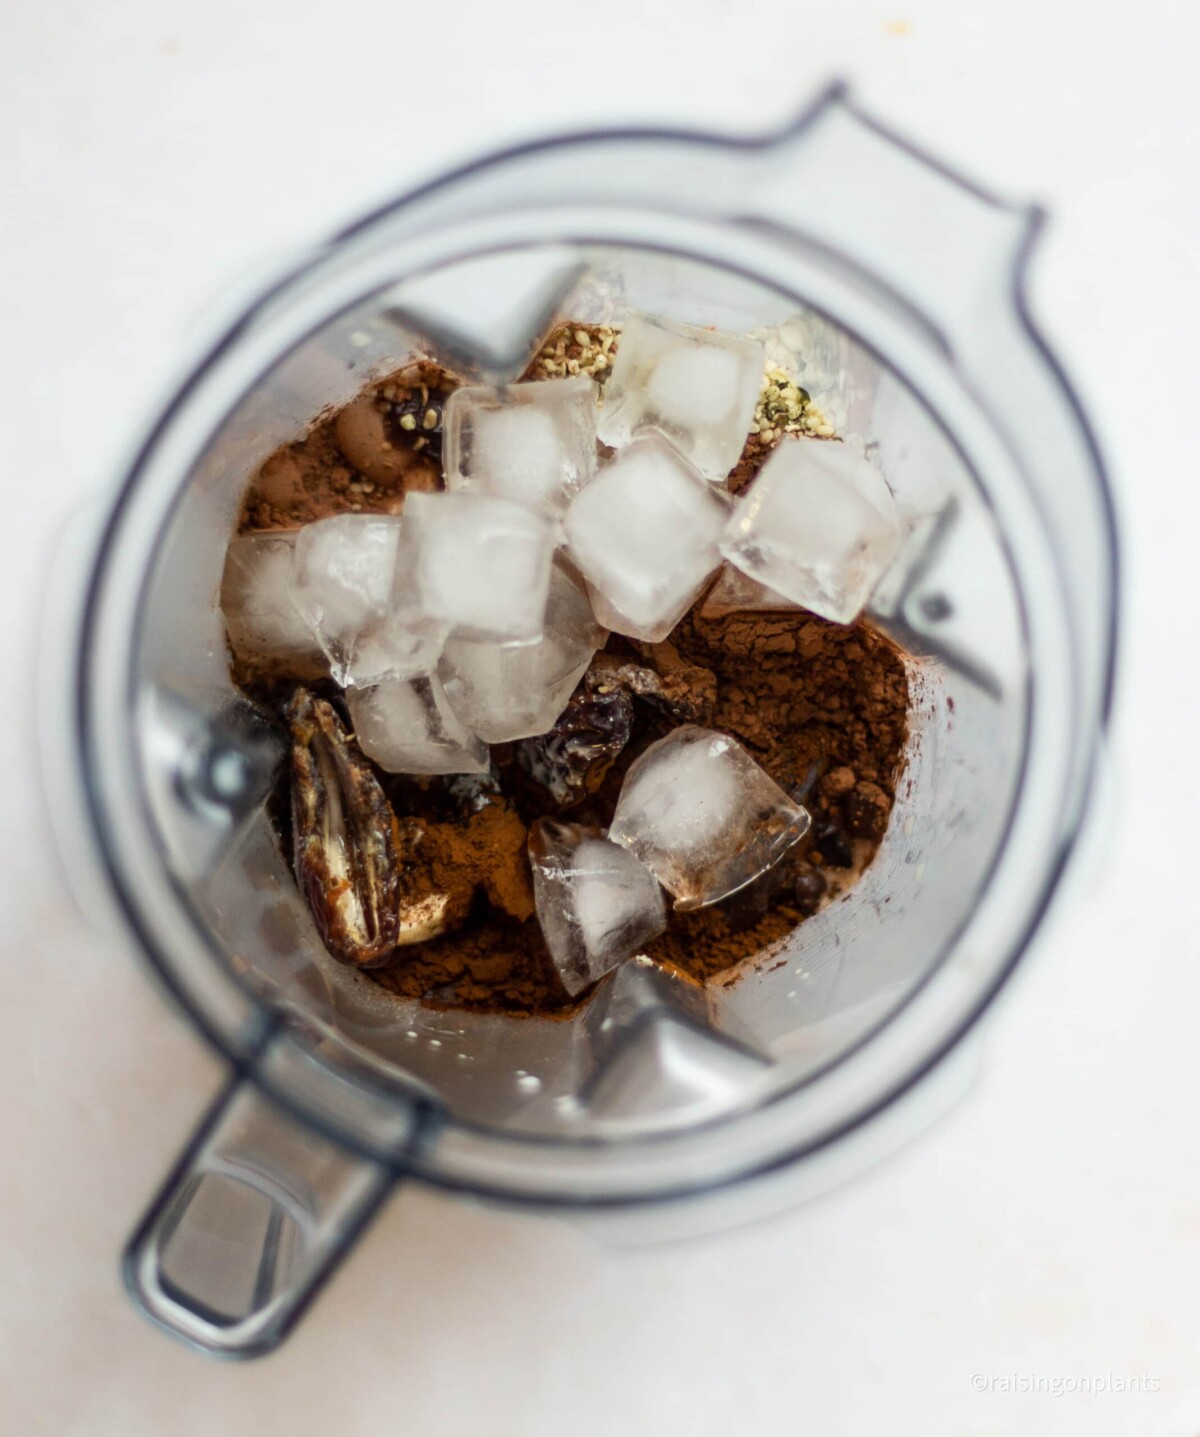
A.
pixel 818 525
pixel 342 580
pixel 596 902
pixel 511 691
pixel 401 644
pixel 735 593
pixel 532 443
pixel 696 387
pixel 265 627
pixel 703 816
pixel 408 726
pixel 476 563
pixel 644 534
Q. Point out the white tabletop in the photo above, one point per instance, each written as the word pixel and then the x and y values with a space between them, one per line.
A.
pixel 1048 1230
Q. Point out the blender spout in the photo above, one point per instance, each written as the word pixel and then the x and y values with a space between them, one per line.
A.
pixel 948 251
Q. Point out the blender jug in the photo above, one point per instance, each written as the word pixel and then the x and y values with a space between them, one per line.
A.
pixel 894 289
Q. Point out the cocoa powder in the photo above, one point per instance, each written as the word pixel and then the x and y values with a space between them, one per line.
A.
pixel 485 852
pixel 358 459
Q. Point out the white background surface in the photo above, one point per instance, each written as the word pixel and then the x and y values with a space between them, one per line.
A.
pixel 1050 1227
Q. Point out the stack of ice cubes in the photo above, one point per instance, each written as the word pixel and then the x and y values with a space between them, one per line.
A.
pixel 696 815
pixel 517 634
pixel 457 624
pixel 817 529
pixel 559 521
pixel 469 619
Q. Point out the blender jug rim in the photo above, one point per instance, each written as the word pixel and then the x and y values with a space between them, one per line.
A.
pixel 264 1021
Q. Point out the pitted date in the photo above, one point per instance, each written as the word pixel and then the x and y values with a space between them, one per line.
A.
pixel 344 833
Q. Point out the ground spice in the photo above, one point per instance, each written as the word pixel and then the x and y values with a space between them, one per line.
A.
pixel 823 708
pixel 486 851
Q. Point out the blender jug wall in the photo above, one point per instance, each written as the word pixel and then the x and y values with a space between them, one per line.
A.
pixel 647 1092
pixel 850 963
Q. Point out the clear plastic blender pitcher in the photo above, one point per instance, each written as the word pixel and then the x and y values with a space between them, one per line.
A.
pixel 894 289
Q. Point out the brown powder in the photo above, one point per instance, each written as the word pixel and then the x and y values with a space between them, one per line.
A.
pixel 496 964
pixel 486 851
pixel 360 459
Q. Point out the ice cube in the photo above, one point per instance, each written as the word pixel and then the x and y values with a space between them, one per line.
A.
pixel 342 580
pixel 818 525
pixel 401 644
pixel 703 816
pixel 265 627
pixel 596 902
pixel 478 564
pixel 408 726
pixel 735 593
pixel 644 534
pixel 512 691
pixel 532 443
pixel 697 387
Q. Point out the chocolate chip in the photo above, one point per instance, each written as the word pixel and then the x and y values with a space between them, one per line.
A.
pixel 802 792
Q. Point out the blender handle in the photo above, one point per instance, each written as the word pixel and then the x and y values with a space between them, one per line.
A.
pixel 255 1216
